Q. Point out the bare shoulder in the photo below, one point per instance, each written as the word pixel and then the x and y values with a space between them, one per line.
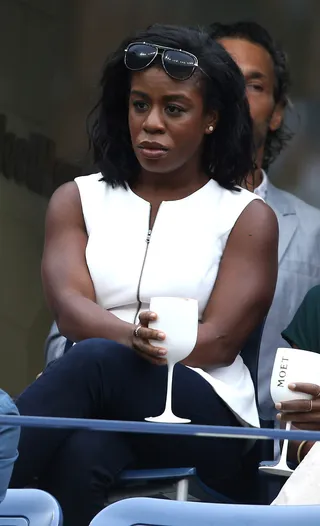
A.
pixel 66 194
pixel 259 210
pixel 258 221
pixel 65 202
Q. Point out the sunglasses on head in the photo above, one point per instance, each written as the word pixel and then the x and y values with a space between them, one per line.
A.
pixel 178 64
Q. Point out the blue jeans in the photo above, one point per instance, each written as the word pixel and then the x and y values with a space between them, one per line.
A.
pixel 102 379
pixel 9 438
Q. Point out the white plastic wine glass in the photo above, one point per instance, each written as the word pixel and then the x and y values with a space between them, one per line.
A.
pixel 178 319
pixel 290 366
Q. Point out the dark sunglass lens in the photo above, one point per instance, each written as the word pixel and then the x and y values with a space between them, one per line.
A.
pixel 139 56
pixel 178 64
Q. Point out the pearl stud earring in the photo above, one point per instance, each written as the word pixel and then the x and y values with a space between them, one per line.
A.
pixel 210 129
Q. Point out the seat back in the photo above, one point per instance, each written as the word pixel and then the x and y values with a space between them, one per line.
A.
pixel 55 345
pixel 14 521
pixel 158 512
pixel 250 354
pixel 30 507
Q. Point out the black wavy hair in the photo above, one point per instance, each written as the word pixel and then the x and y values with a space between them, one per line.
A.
pixel 227 153
pixel 255 33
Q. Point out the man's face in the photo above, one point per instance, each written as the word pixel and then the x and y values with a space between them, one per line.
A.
pixel 257 67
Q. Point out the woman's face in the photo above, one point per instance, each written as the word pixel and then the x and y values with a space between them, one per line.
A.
pixel 167 120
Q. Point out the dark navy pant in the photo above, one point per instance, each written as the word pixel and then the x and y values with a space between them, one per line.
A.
pixel 101 379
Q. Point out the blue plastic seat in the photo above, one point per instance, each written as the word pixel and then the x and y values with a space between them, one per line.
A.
pixel 30 507
pixel 157 512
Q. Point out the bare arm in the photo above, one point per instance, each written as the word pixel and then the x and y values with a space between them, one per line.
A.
pixel 243 291
pixel 66 279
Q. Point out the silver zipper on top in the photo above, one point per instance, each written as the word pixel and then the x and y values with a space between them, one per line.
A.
pixel 142 269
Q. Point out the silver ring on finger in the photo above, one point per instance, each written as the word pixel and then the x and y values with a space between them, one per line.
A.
pixel 136 331
pixel 310 408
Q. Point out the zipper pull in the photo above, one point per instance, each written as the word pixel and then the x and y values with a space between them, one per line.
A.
pixel 148 237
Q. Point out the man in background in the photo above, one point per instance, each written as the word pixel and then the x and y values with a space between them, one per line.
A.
pixel 266 72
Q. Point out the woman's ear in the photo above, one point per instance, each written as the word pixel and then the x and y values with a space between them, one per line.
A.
pixel 212 122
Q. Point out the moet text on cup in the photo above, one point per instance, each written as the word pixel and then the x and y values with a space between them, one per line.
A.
pixel 282 372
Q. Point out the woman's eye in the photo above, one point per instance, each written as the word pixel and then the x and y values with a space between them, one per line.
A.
pixel 140 105
pixel 174 110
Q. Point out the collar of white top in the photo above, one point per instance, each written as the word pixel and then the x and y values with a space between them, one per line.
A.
pixel 262 189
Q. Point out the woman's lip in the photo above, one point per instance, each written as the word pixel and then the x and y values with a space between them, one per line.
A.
pixel 153 153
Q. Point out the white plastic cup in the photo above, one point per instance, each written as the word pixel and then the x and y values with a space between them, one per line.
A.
pixel 178 319
pixel 292 366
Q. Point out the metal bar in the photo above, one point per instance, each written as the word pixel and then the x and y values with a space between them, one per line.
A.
pixel 182 490
pixel 157 428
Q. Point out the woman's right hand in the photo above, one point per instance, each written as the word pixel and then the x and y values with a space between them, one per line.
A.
pixel 141 337
pixel 304 414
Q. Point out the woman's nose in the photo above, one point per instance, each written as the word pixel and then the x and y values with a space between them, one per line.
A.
pixel 154 122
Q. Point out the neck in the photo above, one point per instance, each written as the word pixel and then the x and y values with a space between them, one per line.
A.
pixel 176 184
pixel 254 180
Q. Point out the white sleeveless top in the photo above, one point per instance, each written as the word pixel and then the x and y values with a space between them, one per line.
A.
pixel 181 259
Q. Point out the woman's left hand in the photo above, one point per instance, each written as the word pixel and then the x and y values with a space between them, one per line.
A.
pixel 304 414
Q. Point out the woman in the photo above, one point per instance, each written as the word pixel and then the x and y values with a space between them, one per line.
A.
pixel 165 217
pixel 303 333
pixel 303 487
